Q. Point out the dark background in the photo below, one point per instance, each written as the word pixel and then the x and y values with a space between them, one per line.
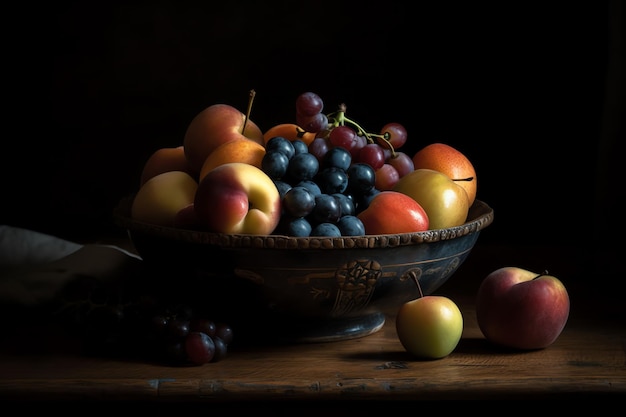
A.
pixel 531 92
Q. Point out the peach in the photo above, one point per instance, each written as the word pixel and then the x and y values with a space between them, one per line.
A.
pixel 164 160
pixel 238 198
pixel 289 131
pixel 238 150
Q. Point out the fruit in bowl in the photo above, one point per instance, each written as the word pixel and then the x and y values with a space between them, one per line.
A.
pixel 325 262
pixel 237 198
pixel 215 125
pixel 314 288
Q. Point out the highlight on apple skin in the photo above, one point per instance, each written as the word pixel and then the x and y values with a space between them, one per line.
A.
pixel 238 198
pixel 393 212
pixel 521 309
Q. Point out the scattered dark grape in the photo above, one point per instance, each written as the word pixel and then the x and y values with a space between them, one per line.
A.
pixel 199 348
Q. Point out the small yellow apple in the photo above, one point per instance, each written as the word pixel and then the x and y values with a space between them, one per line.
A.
pixel 160 198
pixel 429 327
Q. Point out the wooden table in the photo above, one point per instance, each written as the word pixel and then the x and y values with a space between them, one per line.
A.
pixel 587 361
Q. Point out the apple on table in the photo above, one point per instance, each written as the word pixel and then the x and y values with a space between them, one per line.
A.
pixel 429 327
pixel 521 309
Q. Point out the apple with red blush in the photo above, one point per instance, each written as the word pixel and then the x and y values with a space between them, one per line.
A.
pixel 393 212
pixel 521 309
pixel 214 126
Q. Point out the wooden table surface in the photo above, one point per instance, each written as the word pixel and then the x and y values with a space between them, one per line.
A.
pixel 588 360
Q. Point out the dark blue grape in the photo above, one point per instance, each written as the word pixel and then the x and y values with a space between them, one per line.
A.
pixel 300 146
pixel 346 204
pixel 177 328
pixel 274 164
pixel 326 210
pixel 282 187
pixel 221 349
pixel 332 180
pixel 224 332
pixel 364 200
pixel 326 229
pixel 311 186
pixel 295 226
pixel 361 179
pixel 282 145
pixel 298 202
pixel 351 226
pixel 303 166
pixel 338 157
pixel 203 325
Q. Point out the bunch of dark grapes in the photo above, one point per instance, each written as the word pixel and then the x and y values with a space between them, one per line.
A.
pixel 112 322
pixel 324 185
pixel 320 197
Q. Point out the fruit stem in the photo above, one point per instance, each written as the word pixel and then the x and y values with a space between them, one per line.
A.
pixel 249 110
pixel 419 287
pixel 339 118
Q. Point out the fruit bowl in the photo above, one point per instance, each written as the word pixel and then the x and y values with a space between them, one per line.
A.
pixel 301 289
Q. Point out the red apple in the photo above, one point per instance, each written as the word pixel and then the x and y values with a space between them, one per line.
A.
pixel 393 212
pixel 520 309
pixel 238 198
pixel 213 126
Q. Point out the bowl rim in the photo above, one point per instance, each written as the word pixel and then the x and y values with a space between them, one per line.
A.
pixel 480 216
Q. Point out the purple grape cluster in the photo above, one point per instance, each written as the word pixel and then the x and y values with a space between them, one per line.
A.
pixel 110 322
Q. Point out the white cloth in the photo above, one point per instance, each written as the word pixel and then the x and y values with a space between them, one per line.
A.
pixel 35 266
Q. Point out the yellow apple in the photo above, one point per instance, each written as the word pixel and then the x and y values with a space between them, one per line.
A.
pixel 444 158
pixel 238 198
pixel 213 126
pixel 445 202
pixel 429 327
pixel 161 197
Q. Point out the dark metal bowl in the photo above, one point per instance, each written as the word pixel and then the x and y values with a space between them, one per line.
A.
pixel 305 289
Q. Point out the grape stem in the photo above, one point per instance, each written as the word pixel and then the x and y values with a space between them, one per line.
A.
pixel 339 118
